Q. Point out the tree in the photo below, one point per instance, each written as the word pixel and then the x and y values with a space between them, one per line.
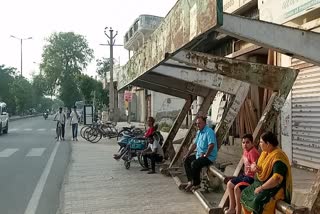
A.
pixel 102 96
pixel 7 75
pixel 103 66
pixel 87 85
pixel 64 57
pixel 21 90
pixel 69 92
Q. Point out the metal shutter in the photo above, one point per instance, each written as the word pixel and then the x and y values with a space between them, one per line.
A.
pixel 306 115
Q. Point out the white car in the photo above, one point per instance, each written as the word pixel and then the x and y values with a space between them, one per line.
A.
pixel 4 118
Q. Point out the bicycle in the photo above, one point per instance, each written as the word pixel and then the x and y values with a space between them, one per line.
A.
pixel 96 131
pixel 59 131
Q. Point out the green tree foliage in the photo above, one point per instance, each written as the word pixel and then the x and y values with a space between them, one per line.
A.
pixel 21 90
pixel 89 86
pixel 102 96
pixel 22 95
pixel 56 104
pixel 68 91
pixel 64 57
pixel 103 66
pixel 7 75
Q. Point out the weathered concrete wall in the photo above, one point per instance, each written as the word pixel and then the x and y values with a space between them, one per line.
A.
pixel 187 20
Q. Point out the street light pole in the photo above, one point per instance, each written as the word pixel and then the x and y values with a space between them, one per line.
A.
pixel 21 39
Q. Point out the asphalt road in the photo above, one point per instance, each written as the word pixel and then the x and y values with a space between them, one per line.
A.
pixel 32 167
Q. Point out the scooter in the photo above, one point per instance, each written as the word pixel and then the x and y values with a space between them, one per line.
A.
pixel 45 115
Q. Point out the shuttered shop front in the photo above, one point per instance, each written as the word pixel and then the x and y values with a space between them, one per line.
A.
pixel 306 115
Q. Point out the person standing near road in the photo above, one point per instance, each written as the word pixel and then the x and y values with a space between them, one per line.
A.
pixel 60 117
pixel 74 121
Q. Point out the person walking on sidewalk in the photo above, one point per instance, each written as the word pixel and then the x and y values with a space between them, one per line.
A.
pixel 60 117
pixel 74 121
pixel 206 153
pixel 153 152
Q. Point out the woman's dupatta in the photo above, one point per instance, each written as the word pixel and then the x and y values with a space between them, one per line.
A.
pixel 266 162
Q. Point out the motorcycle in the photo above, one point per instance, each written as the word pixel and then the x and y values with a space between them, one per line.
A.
pixel 45 115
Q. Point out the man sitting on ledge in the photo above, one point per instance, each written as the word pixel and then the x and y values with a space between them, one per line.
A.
pixel 206 153
pixel 154 152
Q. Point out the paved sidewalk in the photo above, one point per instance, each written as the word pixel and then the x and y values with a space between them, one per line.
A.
pixel 97 184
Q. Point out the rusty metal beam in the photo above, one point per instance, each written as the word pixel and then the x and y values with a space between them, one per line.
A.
pixel 168 146
pixel 295 42
pixel 188 20
pixel 192 130
pixel 206 79
pixel 266 76
pixel 175 84
pixel 231 113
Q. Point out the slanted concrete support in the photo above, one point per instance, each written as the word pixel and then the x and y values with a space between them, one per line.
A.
pixel 313 199
pixel 231 113
pixel 192 130
pixel 168 146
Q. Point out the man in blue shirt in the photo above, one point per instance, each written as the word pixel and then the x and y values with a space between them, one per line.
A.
pixel 206 153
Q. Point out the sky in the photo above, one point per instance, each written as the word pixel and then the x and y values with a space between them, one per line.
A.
pixel 40 18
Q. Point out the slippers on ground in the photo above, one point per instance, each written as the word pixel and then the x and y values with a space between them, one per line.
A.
pixel 194 188
pixel 188 188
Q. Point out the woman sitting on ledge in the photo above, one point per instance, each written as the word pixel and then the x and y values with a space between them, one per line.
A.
pixel 273 180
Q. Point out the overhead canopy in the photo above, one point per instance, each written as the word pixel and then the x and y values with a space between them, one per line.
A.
pixel 175 59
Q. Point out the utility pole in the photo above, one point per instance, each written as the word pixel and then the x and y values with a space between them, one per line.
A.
pixel 111 43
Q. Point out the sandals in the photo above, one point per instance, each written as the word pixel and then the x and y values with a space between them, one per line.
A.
pixel 188 188
pixel 191 188
pixel 194 188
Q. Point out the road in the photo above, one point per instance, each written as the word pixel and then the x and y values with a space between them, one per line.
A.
pixel 32 167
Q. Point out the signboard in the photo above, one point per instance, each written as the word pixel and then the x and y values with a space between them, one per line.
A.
pixel 282 11
pixel 127 96
pixel 230 6
pixel 88 115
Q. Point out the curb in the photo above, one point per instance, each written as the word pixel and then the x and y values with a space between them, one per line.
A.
pixel 23 117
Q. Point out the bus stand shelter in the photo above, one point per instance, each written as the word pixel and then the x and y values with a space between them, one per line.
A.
pixel 176 60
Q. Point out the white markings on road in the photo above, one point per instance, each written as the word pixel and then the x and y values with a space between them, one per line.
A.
pixel 8 152
pixel 53 129
pixel 41 130
pixel 36 152
pixel 34 201
pixel 27 129
pixel 13 130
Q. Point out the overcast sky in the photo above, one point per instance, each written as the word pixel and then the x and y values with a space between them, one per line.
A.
pixel 39 18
